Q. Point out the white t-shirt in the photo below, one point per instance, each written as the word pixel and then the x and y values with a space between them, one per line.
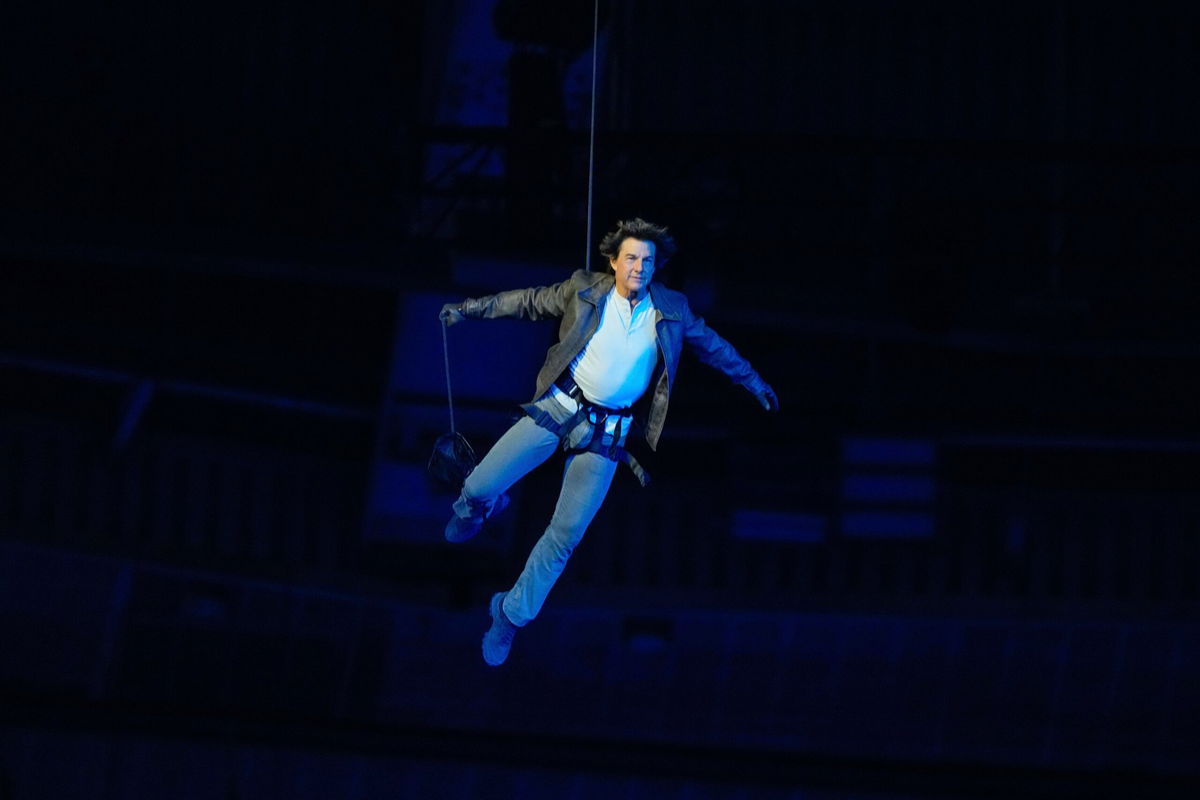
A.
pixel 617 363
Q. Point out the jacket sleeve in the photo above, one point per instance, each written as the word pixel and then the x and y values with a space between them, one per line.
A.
pixel 717 353
pixel 537 303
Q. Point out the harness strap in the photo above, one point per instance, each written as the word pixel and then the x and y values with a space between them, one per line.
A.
pixel 594 444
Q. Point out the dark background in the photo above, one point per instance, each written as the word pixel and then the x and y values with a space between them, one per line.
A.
pixel 962 562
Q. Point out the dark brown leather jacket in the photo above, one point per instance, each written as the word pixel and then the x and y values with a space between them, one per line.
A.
pixel 578 303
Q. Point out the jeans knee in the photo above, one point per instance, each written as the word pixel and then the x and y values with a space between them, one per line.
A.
pixel 562 544
pixel 562 553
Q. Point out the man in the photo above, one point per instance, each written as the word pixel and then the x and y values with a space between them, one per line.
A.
pixel 620 337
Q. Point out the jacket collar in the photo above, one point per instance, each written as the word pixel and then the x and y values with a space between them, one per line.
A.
pixel 598 288
pixel 665 300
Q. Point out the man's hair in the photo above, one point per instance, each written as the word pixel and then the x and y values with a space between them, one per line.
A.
pixel 638 228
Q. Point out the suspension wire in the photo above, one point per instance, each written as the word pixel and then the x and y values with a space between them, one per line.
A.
pixel 446 353
pixel 591 180
pixel 592 138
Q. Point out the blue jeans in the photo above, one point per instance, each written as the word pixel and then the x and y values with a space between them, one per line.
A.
pixel 586 480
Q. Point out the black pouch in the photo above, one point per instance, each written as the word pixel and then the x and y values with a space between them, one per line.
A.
pixel 452 460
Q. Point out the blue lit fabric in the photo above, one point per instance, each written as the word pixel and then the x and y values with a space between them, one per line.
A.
pixel 617 363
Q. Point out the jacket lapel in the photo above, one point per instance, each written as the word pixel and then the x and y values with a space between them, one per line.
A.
pixel 595 293
pixel 664 300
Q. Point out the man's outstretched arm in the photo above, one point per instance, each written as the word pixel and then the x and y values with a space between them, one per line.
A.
pixel 537 303
pixel 719 354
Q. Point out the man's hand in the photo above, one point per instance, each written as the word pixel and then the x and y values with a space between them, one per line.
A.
pixel 451 313
pixel 766 396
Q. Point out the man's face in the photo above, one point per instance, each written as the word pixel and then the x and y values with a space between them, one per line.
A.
pixel 634 266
